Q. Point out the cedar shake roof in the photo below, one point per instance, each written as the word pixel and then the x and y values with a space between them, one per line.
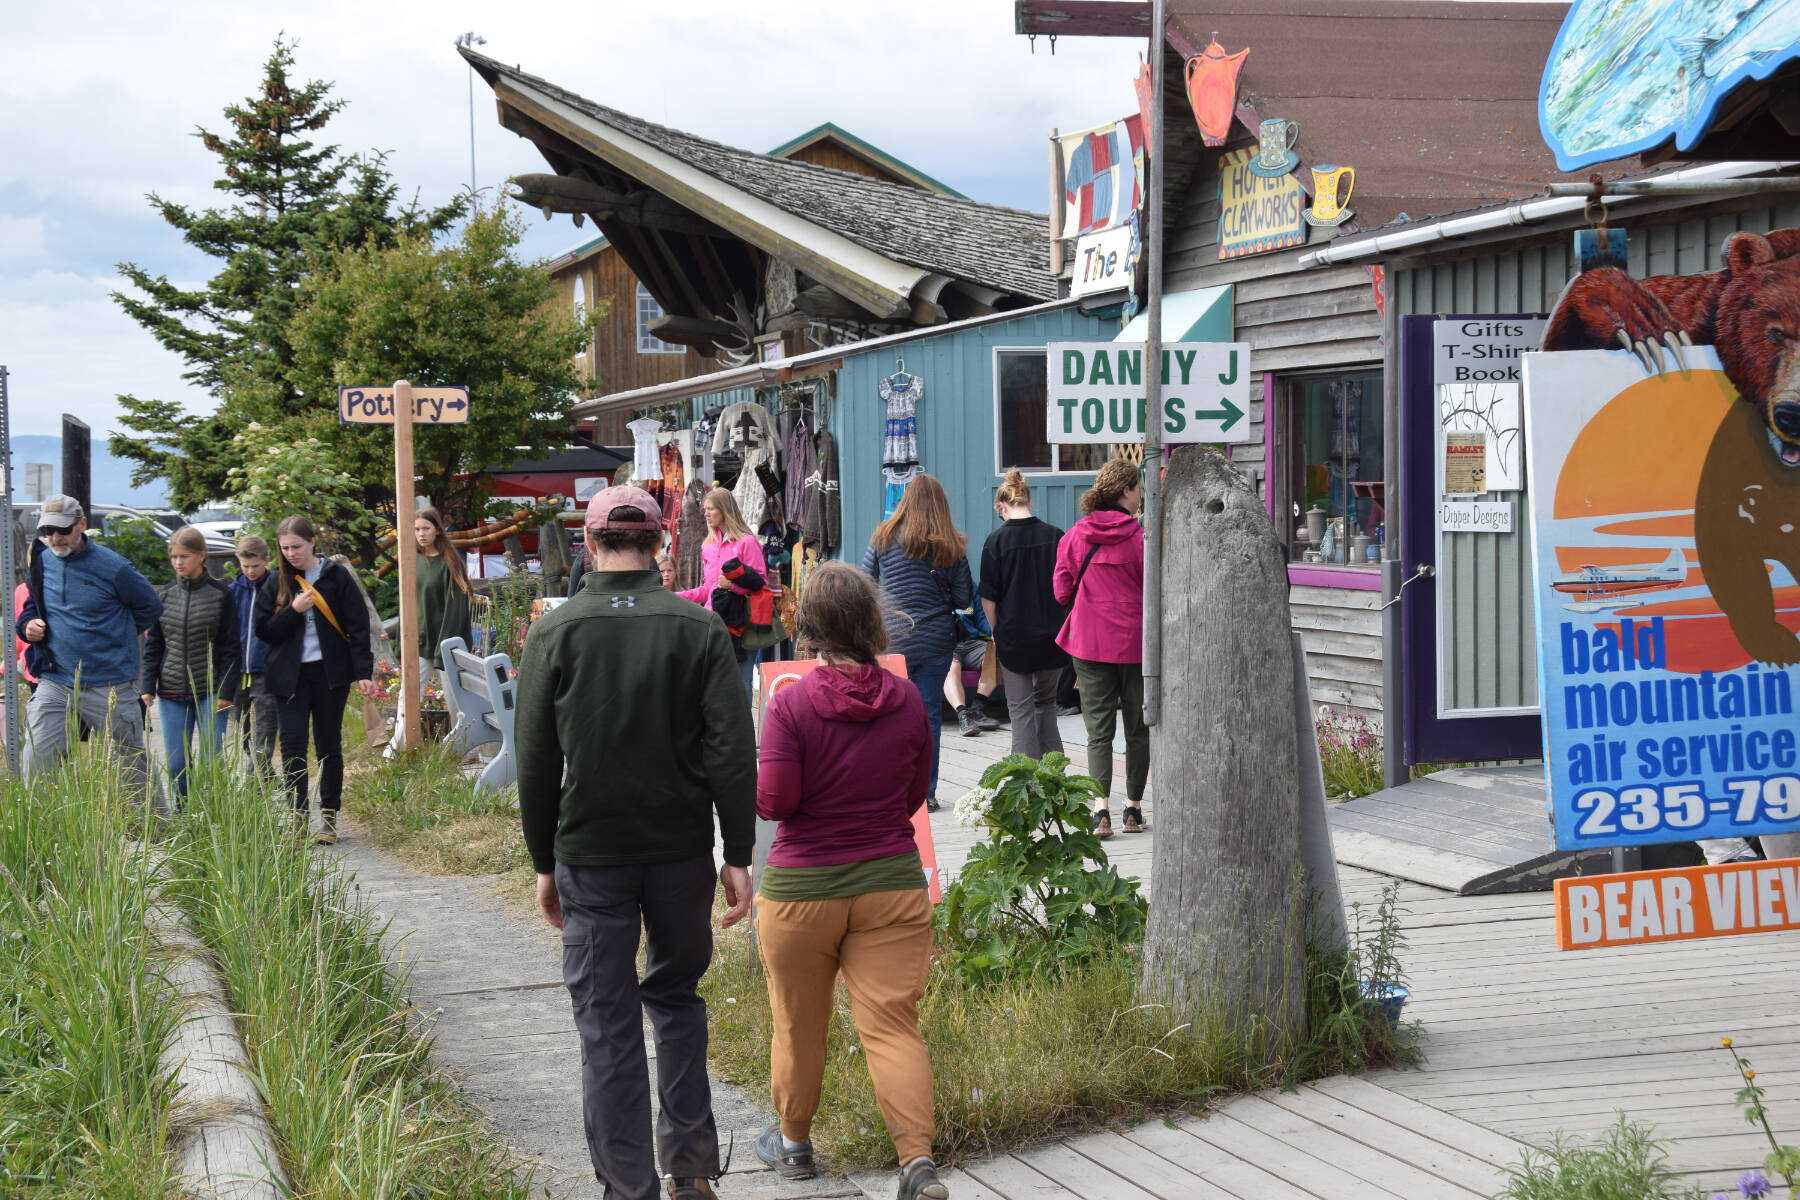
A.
pixel 1433 103
pixel 1000 248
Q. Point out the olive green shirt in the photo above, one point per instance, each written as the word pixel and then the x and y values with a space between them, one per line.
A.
pixel 896 873
pixel 443 608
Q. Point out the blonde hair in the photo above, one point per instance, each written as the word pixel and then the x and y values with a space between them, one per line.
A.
pixel 254 546
pixel 190 539
pixel 731 522
pixel 922 525
pixel 1015 492
pixel 1116 478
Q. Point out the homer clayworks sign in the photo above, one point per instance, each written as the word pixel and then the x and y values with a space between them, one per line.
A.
pixel 1257 213
pixel 1097 392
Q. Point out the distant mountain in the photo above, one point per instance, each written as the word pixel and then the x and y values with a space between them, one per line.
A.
pixel 110 477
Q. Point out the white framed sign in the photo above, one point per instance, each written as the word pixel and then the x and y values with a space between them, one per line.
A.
pixel 1096 392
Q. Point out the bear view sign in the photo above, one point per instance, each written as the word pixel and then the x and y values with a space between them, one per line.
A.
pixel 1096 392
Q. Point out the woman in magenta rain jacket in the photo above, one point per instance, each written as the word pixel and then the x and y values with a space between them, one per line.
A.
pixel 1100 575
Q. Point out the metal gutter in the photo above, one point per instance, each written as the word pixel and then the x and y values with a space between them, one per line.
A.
pixel 757 374
pixel 1520 212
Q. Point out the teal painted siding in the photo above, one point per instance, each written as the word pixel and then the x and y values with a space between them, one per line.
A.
pixel 956 425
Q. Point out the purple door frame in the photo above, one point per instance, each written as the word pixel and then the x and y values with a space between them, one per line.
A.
pixel 1430 739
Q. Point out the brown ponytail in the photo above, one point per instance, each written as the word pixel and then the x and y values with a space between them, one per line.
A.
pixel 451 557
pixel 1015 492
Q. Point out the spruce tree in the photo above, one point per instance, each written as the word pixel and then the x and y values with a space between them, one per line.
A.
pixel 293 199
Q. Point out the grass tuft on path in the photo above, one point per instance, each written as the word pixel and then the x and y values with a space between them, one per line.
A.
pixel 85 1104
pixel 357 1109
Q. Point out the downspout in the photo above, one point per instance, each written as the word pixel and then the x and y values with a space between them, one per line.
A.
pixel 1153 430
pixel 1394 771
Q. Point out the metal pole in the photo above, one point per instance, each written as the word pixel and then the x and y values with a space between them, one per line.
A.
pixel 8 580
pixel 471 132
pixel 1153 430
pixel 1394 770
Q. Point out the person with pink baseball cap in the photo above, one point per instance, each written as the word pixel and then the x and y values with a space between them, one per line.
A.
pixel 632 694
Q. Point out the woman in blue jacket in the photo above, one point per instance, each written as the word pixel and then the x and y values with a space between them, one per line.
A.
pixel 922 563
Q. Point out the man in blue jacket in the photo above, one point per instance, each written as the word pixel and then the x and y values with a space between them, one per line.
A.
pixel 81 624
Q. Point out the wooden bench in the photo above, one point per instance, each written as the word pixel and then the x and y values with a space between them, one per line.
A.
pixel 483 692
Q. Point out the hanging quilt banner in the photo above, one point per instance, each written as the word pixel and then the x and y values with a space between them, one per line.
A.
pixel 1103 176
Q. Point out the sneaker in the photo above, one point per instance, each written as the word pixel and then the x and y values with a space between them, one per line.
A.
pixel 984 718
pixel 919 1181
pixel 691 1188
pixel 967 721
pixel 327 835
pixel 772 1148
pixel 1068 710
pixel 1134 819
pixel 1102 824
pixel 931 804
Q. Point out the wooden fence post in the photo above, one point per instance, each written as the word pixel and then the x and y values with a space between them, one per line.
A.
pixel 1226 943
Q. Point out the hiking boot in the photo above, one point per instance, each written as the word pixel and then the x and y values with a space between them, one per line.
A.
pixel 1068 710
pixel 967 721
pixel 931 804
pixel 327 835
pixel 919 1181
pixel 694 1187
pixel 1102 824
pixel 772 1148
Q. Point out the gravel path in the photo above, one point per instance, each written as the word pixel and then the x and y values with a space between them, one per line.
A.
pixel 490 987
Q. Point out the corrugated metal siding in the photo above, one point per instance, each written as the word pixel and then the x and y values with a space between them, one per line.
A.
pixel 956 425
pixel 1488 651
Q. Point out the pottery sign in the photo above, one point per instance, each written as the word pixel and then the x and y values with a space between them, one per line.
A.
pixel 1257 213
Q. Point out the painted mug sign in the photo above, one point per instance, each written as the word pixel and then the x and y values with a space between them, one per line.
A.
pixel 1641 907
pixel 1667 654
pixel 1103 262
pixel 1257 213
pixel 431 406
pixel 1097 392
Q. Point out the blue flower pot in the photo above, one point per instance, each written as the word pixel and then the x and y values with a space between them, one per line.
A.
pixel 1390 998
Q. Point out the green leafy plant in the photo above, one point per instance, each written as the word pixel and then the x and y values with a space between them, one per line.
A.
pixel 508 613
pixel 142 544
pixel 1626 1163
pixel 287 471
pixel 1348 1029
pixel 1781 1160
pixel 1038 894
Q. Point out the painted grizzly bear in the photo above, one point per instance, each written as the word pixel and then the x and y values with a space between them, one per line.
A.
pixel 1747 504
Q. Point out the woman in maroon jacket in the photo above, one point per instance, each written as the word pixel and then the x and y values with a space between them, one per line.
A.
pixel 846 761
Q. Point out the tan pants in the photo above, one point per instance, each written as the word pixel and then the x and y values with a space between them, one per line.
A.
pixel 881 943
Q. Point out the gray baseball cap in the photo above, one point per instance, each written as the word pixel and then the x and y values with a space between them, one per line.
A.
pixel 59 512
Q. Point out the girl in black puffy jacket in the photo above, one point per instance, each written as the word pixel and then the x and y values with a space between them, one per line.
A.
pixel 191 659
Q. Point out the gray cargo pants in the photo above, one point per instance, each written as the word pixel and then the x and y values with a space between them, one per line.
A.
pixel 603 909
pixel 112 712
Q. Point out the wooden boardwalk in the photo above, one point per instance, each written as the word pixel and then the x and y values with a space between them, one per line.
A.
pixel 1522 1041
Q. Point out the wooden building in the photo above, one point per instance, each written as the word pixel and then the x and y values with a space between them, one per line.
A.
pixel 625 355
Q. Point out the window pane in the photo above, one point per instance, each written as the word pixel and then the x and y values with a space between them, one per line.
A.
pixel 649 310
pixel 1337 426
pixel 1024 391
pixel 1085 456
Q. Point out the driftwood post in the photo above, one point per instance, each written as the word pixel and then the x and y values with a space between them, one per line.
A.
pixel 1226 944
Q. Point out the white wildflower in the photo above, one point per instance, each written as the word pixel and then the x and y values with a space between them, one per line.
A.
pixel 973 807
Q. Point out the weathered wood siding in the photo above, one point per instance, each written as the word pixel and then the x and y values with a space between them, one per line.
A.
pixel 1487 640
pixel 829 154
pixel 1296 322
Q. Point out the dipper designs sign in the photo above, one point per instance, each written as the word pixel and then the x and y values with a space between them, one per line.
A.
pixel 1257 213
pixel 1097 392
pixel 1624 76
pixel 1666 648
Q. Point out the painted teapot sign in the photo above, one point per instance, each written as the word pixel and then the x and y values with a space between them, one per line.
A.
pixel 1212 79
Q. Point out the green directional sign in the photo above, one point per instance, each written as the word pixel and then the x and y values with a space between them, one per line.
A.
pixel 1097 392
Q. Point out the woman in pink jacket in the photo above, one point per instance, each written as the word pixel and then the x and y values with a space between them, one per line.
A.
pixel 727 537
pixel 1100 576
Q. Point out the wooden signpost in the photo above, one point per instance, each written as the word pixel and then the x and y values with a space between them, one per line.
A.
pixel 403 406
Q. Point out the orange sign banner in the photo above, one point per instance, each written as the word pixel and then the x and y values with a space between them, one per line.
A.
pixel 779 675
pixel 1638 907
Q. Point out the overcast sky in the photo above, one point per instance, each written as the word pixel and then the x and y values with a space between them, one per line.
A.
pixel 99 101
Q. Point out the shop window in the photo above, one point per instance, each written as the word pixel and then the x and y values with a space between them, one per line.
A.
pixel 649 310
pixel 580 294
pixel 1021 392
pixel 1333 485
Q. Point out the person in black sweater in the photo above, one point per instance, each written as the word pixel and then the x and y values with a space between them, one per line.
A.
pixel 312 616
pixel 191 668
pixel 1017 562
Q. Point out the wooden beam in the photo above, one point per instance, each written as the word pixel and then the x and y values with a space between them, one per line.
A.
pixel 1082 18
pixel 820 301
pixel 696 331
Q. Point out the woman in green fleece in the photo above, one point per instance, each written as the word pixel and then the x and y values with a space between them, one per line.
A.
pixel 444 593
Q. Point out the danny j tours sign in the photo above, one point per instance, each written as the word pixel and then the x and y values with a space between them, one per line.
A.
pixel 1668 665
pixel 1097 392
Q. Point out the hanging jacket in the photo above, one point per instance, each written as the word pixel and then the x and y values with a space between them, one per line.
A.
pixel 845 762
pixel 714 553
pixel 192 652
pixel 1106 620
pixel 253 652
pixel 822 519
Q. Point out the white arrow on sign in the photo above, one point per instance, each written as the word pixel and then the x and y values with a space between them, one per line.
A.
pixel 431 406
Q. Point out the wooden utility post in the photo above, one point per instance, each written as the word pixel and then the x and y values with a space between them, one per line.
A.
pixel 407 556
pixel 1227 937
pixel 402 406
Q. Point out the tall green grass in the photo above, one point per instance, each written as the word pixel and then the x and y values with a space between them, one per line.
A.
pixel 357 1110
pixel 84 1100
pixel 424 810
